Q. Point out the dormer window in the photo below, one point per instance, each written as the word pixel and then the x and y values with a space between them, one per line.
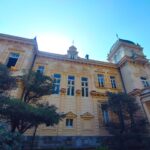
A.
pixel 72 52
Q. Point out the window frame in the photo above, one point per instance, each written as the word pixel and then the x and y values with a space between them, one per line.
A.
pixel 40 70
pixel 12 57
pixel 113 82
pixel 69 122
pixel 105 114
pixel 145 82
pixel 56 83
pixel 71 85
pixel 101 80
pixel 84 87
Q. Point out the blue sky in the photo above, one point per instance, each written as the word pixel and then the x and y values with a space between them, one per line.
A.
pixel 92 24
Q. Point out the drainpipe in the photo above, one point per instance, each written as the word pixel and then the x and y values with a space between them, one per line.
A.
pixel 35 50
pixel 33 61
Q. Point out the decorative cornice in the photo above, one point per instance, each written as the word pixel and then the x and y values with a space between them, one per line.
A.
pixel 87 116
pixel 78 60
pixel 17 39
pixel 135 92
pixel 140 60
pixel 145 91
pixel 71 115
pixel 97 94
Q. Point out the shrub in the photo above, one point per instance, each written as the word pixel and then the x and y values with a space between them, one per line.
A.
pixel 8 140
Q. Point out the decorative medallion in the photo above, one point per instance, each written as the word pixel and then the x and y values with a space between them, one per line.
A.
pixel 78 92
pixel 63 91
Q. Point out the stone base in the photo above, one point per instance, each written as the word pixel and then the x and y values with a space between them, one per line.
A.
pixel 53 142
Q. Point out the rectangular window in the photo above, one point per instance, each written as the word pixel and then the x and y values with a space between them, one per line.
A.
pixel 105 113
pixel 113 81
pixel 40 69
pixel 69 123
pixel 12 60
pixel 56 88
pixel 100 80
pixel 84 86
pixel 71 82
pixel 144 81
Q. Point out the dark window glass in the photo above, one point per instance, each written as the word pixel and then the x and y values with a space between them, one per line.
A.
pixel 40 69
pixel 101 80
pixel 56 86
pixel 12 60
pixel 144 82
pixel 105 113
pixel 69 123
pixel 70 89
pixel 84 85
pixel 113 81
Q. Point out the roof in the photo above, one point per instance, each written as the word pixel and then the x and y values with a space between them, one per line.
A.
pixel 17 38
pixel 122 42
pixel 127 41
pixel 78 60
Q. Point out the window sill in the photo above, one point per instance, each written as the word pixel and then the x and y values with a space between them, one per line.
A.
pixel 101 87
pixel 13 68
pixel 55 95
pixel 69 128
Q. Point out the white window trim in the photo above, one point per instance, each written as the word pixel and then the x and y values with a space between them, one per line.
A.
pixel 101 80
pixel 85 87
pixel 69 126
pixel 70 86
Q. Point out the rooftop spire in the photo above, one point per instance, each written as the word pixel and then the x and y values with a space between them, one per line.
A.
pixel 73 42
pixel 117 36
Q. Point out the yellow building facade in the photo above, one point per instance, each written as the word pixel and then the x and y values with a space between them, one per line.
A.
pixel 81 83
pixel 134 70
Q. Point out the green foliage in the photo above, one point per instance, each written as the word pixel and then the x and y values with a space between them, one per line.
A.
pixel 48 114
pixel 61 148
pixel 102 148
pixel 7 82
pixel 122 101
pixel 18 113
pixel 36 85
pixel 23 116
pixel 130 131
pixel 8 140
pixel 128 141
pixel 125 107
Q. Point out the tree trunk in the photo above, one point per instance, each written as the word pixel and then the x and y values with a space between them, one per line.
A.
pixel 13 126
pixel 121 120
pixel 132 120
pixel 33 137
pixel 25 97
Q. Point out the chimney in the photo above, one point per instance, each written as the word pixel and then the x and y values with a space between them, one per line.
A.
pixel 87 56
